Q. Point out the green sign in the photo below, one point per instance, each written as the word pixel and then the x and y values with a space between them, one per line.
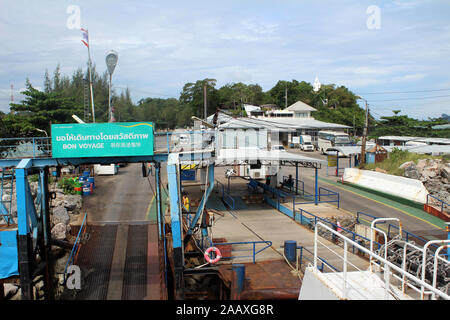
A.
pixel 115 139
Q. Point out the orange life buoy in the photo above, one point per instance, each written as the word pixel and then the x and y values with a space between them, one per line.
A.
pixel 218 255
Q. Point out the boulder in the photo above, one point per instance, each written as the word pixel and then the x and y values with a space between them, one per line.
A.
pixel 10 290
pixel 407 165
pixel 444 172
pixel 72 202
pixel 412 173
pixel 60 215
pixel 59 231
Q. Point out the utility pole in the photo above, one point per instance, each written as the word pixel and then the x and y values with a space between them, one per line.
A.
pixel 205 102
pixel 285 97
pixel 364 137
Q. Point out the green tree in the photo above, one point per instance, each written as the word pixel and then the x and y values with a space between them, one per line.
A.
pixel 39 110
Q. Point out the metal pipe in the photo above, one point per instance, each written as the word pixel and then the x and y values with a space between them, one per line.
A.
pixel 424 256
pixel 381 259
pixel 436 256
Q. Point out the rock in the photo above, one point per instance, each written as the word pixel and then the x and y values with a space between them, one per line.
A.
pixel 59 231
pixel 407 164
pixel 6 198
pixel 445 172
pixel 10 290
pixel 412 173
pixel 60 215
pixel 72 202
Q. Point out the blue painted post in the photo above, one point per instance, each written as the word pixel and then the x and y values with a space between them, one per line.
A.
pixel 316 186
pixel 290 250
pixel 239 271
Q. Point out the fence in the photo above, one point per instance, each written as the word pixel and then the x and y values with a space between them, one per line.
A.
pixel 311 220
pixel 76 246
pixel 444 205
pixel 408 236
pixel 295 183
pixel 323 192
pixel 226 197
pixel 33 147
pixel 392 273
pixel 228 252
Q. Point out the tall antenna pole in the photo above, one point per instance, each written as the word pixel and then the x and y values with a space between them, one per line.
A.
pixel 205 102
pixel 90 86
pixel 86 43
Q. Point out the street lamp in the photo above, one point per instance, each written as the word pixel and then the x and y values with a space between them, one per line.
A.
pixel 111 61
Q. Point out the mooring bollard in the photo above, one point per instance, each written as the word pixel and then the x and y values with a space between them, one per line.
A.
pixel 290 250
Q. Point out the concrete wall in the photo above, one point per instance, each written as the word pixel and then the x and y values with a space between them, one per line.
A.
pixel 397 186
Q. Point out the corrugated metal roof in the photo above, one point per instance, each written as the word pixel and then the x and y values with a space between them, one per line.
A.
pixel 236 156
pixel 434 149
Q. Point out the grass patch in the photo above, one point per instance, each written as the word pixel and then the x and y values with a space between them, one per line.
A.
pixel 397 157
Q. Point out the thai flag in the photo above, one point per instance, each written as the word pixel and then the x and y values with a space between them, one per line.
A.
pixel 86 37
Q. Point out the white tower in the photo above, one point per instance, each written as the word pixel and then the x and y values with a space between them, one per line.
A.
pixel 316 84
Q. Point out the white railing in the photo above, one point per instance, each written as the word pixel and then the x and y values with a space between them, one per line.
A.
pixel 391 270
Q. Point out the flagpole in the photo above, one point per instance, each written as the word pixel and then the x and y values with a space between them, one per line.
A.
pixel 90 78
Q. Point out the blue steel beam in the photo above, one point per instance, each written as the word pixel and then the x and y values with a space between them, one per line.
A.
pixel 176 224
pixel 204 199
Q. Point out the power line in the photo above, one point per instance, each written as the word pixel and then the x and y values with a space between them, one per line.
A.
pixel 417 98
pixel 414 91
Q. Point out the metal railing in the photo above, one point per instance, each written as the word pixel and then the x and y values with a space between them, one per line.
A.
pixel 254 251
pixel 295 184
pixel 184 140
pixel 444 205
pixel 33 147
pixel 76 246
pixel 324 262
pixel 313 220
pixel 311 198
pixel 226 197
pixel 408 236
pixel 391 272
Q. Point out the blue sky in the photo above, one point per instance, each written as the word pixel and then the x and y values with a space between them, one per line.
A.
pixel 164 44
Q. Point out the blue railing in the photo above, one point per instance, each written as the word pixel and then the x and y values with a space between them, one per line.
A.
pixel 33 147
pixel 226 197
pixel 311 198
pixel 442 204
pixel 76 246
pixel 254 252
pixel 329 194
pixel 405 234
pixel 313 221
pixel 324 262
pixel 295 184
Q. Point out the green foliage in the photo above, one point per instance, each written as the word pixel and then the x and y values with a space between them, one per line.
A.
pixel 67 185
pixel 396 158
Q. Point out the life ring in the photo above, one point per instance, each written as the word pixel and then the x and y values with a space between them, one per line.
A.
pixel 218 255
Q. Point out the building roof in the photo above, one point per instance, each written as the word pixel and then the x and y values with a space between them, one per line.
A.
pixel 245 155
pixel 424 149
pixel 300 106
